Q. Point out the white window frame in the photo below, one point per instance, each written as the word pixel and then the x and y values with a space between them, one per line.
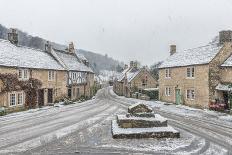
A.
pixel 23 74
pixel 22 98
pixel 190 72
pixel 51 75
pixel 190 94
pixel 167 73
pixel 10 99
pixel 167 91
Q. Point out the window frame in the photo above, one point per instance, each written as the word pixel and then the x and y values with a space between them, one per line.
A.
pixel 22 98
pixel 167 73
pixel 51 75
pixel 167 91
pixel 23 74
pixel 10 99
pixel 190 94
pixel 190 72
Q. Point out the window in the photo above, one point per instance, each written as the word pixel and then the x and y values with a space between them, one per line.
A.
pixel 23 74
pixel 190 94
pixel 190 72
pixel 12 99
pixel 20 98
pixel 167 91
pixel 51 75
pixel 16 98
pixel 144 82
pixel 167 73
pixel 20 74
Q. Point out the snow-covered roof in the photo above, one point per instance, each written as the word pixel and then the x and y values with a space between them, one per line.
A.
pixel 130 73
pixel 71 61
pixel 81 56
pixel 18 56
pixel 228 62
pixel 195 56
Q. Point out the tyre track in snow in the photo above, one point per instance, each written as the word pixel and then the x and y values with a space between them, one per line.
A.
pixel 80 125
pixel 24 134
pixel 12 126
pixel 220 135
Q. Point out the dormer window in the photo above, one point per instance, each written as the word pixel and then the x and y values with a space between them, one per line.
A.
pixel 167 73
pixel 23 74
pixel 190 72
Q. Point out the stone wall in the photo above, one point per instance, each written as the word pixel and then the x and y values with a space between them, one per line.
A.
pixel 58 84
pixel 226 74
pixel 214 68
pixel 137 81
pixel 179 80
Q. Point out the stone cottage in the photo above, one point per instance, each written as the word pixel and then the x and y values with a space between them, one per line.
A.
pixel 133 79
pixel 80 78
pixel 192 76
pixel 19 66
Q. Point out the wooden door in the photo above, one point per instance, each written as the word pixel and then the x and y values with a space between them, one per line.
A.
pixel 50 96
pixel 178 96
pixel 41 97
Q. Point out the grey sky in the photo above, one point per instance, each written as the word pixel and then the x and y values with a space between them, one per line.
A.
pixel 124 29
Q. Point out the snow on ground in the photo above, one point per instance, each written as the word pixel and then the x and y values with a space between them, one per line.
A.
pixel 182 109
pixel 106 75
pixel 99 138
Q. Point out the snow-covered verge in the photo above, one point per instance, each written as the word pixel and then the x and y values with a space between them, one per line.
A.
pixel 98 139
pixel 182 110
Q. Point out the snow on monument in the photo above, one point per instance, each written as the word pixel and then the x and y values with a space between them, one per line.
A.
pixel 142 122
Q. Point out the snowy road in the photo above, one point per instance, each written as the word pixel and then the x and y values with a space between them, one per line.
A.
pixel 85 128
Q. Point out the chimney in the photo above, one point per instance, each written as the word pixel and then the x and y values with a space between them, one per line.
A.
pixel 172 49
pixel 135 64
pixel 13 36
pixel 225 36
pixel 126 66
pixel 131 64
pixel 71 48
pixel 48 47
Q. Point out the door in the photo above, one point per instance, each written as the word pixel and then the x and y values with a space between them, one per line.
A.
pixel 41 97
pixel 178 96
pixel 50 96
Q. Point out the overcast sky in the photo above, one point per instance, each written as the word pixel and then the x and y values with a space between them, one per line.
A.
pixel 124 29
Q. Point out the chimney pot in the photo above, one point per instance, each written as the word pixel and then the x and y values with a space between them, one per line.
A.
pixel 48 47
pixel 71 48
pixel 225 36
pixel 13 36
pixel 172 49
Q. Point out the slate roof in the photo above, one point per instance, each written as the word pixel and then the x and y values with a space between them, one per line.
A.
pixel 195 56
pixel 228 62
pixel 71 61
pixel 130 73
pixel 25 57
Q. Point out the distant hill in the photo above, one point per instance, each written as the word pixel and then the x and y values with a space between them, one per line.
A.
pixel 97 61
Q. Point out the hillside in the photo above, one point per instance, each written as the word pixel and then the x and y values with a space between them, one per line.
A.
pixel 97 61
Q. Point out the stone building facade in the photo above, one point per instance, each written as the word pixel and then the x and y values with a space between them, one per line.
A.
pixel 134 79
pixel 26 63
pixel 80 77
pixel 191 77
pixel 60 73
